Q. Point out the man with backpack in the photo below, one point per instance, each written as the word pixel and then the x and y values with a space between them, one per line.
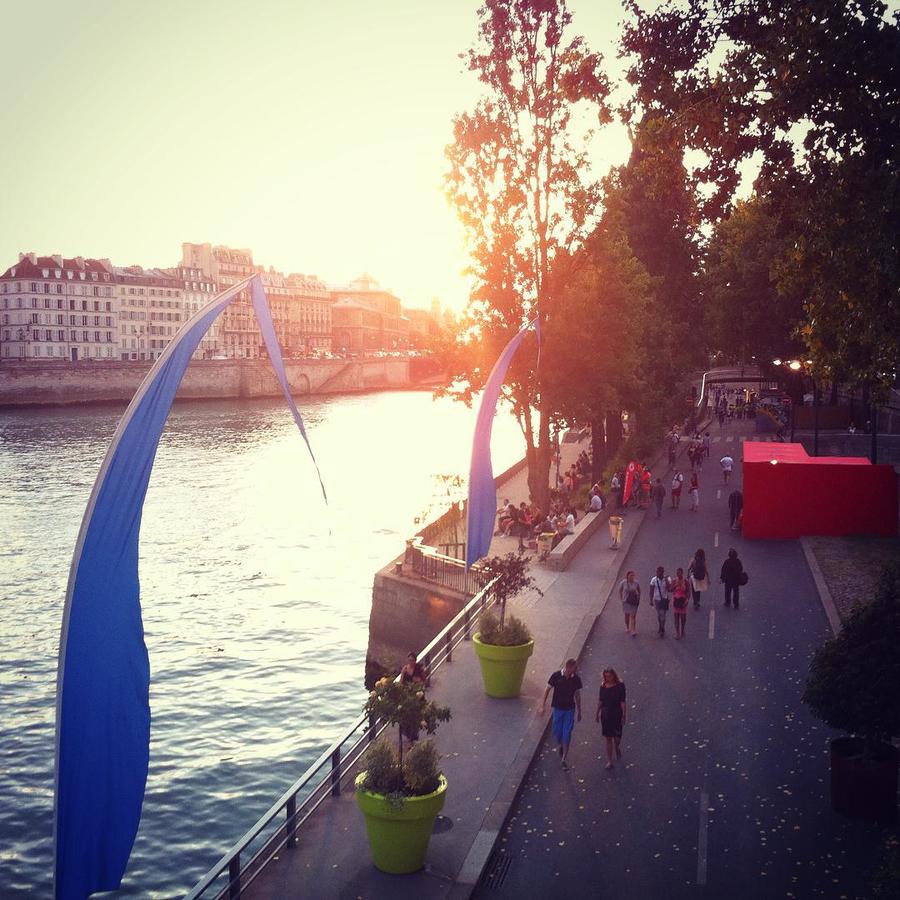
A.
pixel 733 576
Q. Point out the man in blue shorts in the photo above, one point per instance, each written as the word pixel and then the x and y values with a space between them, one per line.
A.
pixel 566 687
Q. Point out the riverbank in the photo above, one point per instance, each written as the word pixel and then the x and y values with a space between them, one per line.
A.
pixel 64 383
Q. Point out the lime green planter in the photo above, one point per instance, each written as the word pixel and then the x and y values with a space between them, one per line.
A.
pixel 502 668
pixel 399 833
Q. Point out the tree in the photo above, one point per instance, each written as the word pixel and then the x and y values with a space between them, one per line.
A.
pixel 811 91
pixel 595 335
pixel 519 179
pixel 747 316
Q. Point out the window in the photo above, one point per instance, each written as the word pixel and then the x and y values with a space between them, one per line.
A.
pixel 59 289
pixel 84 336
pixel 60 319
pixel 34 318
pixel 96 335
pixel 48 335
pixel 109 320
pixel 96 292
pixel 73 335
pixel 108 306
pixel 34 286
pixel 108 336
pixel 71 304
pixel 84 304
pixel 60 335
pixel 84 320
pixel 46 303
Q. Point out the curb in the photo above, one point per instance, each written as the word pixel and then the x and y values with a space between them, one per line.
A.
pixel 828 605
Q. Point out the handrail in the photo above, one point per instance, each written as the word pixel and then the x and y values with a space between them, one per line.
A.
pixel 432 565
pixel 241 874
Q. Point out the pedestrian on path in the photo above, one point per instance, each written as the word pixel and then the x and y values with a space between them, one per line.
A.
pixel 680 588
pixel 659 494
pixel 677 482
pixel 615 497
pixel 707 444
pixel 735 505
pixel 611 713
pixel 699 576
pixel 694 491
pixel 731 576
pixel 727 463
pixel 630 595
pixel 659 597
pixel 566 686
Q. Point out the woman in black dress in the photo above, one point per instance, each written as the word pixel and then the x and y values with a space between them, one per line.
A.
pixel 611 713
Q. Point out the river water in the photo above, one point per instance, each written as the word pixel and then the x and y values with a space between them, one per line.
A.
pixel 255 598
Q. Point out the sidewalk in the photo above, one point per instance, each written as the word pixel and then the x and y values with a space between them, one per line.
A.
pixel 487 748
pixel 723 788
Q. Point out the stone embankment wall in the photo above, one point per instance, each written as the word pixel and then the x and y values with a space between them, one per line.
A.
pixel 24 384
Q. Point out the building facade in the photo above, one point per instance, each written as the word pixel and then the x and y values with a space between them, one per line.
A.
pixel 53 308
pixel 151 310
pixel 365 318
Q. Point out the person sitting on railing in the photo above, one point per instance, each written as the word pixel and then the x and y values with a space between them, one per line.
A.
pixel 544 524
pixel 595 504
pixel 511 522
pixel 413 673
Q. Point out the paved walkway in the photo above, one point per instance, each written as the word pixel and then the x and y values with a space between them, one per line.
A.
pixel 723 789
pixel 487 748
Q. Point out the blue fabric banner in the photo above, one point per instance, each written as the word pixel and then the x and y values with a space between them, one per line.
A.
pixel 482 505
pixel 103 680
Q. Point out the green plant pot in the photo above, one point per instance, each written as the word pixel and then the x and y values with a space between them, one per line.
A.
pixel 399 833
pixel 502 668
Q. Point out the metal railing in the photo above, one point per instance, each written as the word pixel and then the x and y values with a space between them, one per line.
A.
pixel 449 571
pixel 281 824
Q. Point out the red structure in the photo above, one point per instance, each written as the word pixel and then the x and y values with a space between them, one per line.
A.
pixel 788 494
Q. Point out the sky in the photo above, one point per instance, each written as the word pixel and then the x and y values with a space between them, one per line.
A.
pixel 311 132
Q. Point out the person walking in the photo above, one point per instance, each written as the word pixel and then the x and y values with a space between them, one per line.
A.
pixel 566 686
pixel 694 491
pixel 677 482
pixel 699 576
pixel 735 505
pixel 630 595
pixel 611 713
pixel 707 444
pixel 727 463
pixel 680 589
pixel 659 494
pixel 731 576
pixel 615 497
pixel 659 598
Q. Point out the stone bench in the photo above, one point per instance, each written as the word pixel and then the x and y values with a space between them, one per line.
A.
pixel 569 547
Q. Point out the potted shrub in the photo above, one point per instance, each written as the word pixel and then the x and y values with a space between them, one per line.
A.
pixel 853 686
pixel 503 644
pixel 401 794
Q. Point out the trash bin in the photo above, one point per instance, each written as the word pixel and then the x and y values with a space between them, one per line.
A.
pixel 545 544
pixel 615 530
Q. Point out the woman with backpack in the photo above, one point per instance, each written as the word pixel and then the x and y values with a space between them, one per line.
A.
pixel 699 576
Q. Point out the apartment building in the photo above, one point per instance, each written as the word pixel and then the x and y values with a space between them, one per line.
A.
pixel 367 317
pixel 150 305
pixel 53 308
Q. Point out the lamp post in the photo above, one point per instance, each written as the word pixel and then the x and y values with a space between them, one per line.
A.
pixel 815 416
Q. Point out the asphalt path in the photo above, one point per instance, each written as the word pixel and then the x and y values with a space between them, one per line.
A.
pixel 723 787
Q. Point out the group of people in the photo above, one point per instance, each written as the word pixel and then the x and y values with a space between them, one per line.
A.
pixel 699 449
pixel 677 592
pixel 527 521
pixel 566 686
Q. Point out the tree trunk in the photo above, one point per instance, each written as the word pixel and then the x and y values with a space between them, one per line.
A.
pixel 613 431
pixel 598 446
pixel 539 458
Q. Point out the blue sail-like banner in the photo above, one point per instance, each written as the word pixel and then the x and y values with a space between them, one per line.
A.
pixel 103 679
pixel 482 505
